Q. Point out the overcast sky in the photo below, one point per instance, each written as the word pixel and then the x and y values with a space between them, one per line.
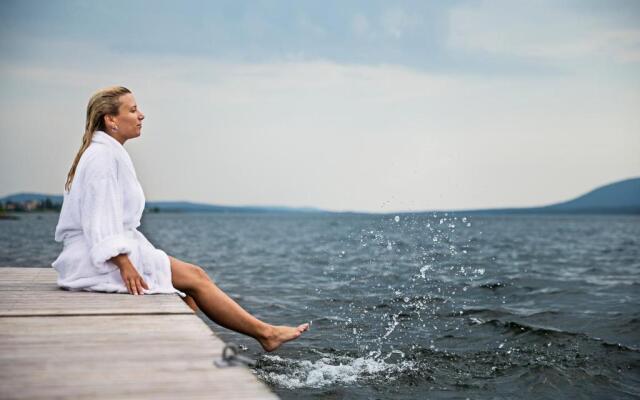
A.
pixel 344 105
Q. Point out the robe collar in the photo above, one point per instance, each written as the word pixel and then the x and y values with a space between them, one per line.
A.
pixel 104 137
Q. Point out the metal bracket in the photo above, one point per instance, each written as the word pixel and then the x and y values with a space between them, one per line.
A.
pixel 231 358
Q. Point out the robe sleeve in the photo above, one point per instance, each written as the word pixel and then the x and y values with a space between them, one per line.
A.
pixel 102 219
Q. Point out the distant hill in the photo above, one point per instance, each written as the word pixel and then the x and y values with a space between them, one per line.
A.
pixel 170 206
pixel 23 197
pixel 621 197
pixel 186 206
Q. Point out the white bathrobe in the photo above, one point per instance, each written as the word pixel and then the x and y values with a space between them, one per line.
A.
pixel 98 220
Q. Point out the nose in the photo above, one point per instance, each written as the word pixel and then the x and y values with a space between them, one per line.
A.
pixel 141 116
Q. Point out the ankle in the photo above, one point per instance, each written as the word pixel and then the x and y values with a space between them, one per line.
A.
pixel 265 332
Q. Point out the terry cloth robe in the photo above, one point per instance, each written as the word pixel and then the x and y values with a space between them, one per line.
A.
pixel 98 220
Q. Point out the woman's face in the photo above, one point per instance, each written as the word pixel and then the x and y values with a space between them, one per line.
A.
pixel 128 123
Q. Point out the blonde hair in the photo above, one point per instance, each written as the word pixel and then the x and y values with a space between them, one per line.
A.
pixel 104 102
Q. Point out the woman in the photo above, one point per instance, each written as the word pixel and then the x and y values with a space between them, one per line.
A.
pixel 103 250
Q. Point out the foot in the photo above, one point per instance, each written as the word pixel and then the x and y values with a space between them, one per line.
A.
pixel 277 335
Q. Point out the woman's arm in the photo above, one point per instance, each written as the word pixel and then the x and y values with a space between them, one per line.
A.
pixel 101 212
pixel 130 275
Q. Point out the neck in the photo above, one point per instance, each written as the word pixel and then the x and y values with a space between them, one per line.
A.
pixel 117 137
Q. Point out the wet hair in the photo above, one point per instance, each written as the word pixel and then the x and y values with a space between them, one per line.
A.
pixel 104 102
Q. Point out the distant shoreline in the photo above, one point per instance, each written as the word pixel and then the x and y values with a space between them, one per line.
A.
pixel 621 197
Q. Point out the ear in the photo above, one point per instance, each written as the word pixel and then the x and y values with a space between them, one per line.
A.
pixel 108 119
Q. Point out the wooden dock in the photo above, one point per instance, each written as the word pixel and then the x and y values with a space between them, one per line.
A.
pixel 57 344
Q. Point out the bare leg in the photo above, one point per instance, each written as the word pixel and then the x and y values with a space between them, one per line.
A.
pixel 191 303
pixel 223 310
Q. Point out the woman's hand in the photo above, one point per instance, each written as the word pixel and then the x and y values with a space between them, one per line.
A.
pixel 130 276
pixel 132 279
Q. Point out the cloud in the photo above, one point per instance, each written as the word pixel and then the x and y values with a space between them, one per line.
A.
pixel 408 33
pixel 541 30
pixel 321 133
pixel 374 108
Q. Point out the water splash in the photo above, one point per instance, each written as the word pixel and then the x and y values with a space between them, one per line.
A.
pixel 331 370
pixel 430 247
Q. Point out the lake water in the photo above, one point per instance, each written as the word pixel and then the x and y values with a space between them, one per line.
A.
pixel 412 307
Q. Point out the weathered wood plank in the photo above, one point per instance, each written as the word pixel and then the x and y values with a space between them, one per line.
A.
pixel 115 354
pixel 29 286
pixel 24 275
pixel 62 302
pixel 32 291
pixel 12 279
pixel 139 354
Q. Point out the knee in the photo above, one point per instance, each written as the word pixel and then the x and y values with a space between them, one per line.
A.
pixel 199 276
pixel 188 277
pixel 199 282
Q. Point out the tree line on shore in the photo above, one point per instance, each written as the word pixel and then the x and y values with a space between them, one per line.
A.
pixel 30 205
pixel 42 205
